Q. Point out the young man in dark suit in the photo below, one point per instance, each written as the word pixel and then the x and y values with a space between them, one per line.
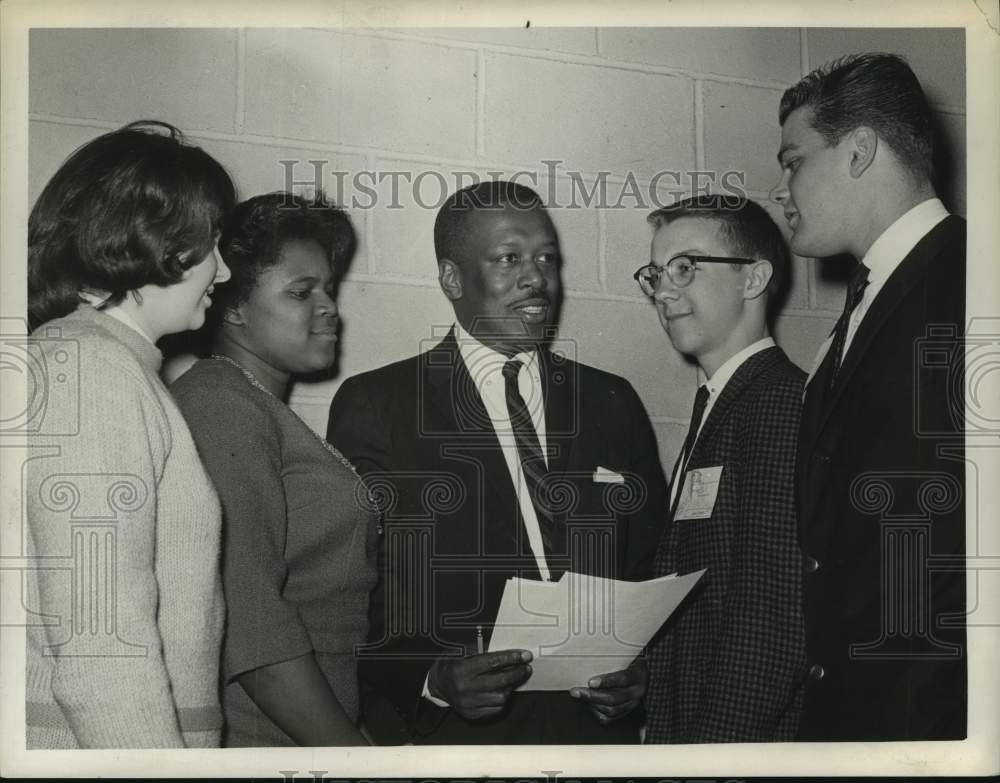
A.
pixel 495 457
pixel 729 664
pixel 880 458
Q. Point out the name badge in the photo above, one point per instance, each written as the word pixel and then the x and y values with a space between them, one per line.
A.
pixel 698 493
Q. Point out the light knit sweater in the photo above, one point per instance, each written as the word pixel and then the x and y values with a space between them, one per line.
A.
pixel 125 651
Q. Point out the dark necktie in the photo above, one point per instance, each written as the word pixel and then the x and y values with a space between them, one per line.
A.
pixel 855 288
pixel 532 459
pixel 697 413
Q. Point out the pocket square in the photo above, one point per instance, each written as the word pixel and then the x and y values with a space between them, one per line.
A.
pixel 605 476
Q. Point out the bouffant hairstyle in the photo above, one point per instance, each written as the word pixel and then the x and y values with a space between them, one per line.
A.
pixel 133 207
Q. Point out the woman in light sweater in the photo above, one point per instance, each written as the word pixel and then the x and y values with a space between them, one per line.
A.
pixel 298 560
pixel 121 514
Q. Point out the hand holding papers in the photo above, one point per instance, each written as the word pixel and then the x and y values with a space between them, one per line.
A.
pixel 582 625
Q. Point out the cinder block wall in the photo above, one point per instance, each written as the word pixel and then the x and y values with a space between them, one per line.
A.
pixel 626 102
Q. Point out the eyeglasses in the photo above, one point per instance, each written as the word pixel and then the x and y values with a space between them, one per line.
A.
pixel 680 270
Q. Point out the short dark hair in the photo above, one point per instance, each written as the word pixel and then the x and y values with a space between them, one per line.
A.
pixel 875 89
pixel 744 224
pixel 258 228
pixel 449 226
pixel 133 207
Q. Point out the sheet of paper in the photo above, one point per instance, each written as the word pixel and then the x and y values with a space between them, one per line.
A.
pixel 583 625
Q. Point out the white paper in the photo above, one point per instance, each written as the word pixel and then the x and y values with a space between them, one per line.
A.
pixel 582 626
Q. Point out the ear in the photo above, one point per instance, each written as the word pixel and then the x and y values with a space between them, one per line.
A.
pixel 233 316
pixel 450 279
pixel 758 277
pixel 863 145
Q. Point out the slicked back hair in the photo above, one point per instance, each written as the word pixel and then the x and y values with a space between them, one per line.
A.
pixel 876 90
pixel 746 227
pixel 133 207
pixel 450 224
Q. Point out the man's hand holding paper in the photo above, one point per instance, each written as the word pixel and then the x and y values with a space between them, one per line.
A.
pixel 478 686
pixel 585 633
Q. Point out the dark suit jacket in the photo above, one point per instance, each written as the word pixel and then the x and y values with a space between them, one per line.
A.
pixel 730 662
pixel 419 433
pixel 882 515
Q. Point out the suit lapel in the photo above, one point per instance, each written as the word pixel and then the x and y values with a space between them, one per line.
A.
pixel 910 271
pixel 467 427
pixel 740 379
pixel 561 409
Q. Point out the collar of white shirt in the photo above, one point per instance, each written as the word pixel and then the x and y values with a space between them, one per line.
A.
pixel 721 376
pixel 715 386
pixel 486 368
pixel 893 245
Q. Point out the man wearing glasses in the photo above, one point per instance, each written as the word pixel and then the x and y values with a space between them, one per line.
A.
pixel 729 664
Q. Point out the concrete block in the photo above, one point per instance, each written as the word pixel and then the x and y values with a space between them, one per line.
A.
pixel 576 226
pixel 936 55
pixel 361 90
pixel 384 322
pixel 742 133
pixel 408 196
pixel 575 40
pixel 626 338
pixel 801 337
pixel 185 77
pixel 798 284
pixel 626 248
pixel 747 52
pixel 592 118
pixel 950 161
pixel 257 169
pixel 49 144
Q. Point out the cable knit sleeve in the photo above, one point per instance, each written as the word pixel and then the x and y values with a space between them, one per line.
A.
pixel 92 514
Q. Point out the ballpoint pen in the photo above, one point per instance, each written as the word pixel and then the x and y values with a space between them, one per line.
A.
pixel 479 639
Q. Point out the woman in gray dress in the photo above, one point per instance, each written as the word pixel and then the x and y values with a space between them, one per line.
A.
pixel 298 551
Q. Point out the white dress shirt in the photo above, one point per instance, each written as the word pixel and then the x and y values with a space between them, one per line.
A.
pixel 888 251
pixel 485 366
pixel 715 386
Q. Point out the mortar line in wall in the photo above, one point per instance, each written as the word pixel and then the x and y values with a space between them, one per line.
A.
pixel 571 58
pixel 804 50
pixel 241 80
pixel 342 149
pixel 699 125
pixel 347 149
pixel 480 113
pixel 370 226
pixel 602 250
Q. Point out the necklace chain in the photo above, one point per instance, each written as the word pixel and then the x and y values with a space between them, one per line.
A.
pixel 323 441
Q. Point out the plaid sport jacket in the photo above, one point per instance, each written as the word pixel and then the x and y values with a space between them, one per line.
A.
pixel 729 664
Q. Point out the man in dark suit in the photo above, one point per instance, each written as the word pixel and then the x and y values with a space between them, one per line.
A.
pixel 730 662
pixel 495 457
pixel 880 469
